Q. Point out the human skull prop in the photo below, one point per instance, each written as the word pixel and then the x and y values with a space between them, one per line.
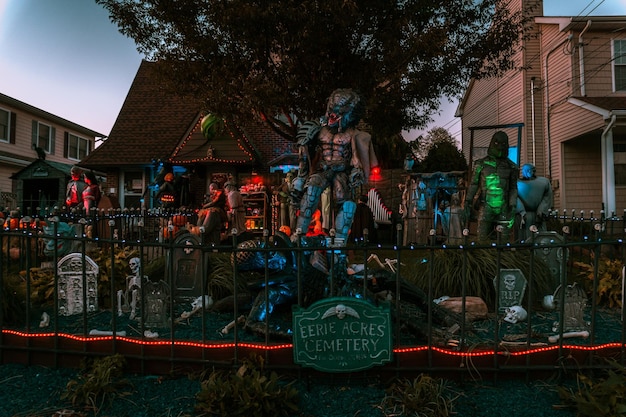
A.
pixel 134 265
pixel 515 314
pixel 340 310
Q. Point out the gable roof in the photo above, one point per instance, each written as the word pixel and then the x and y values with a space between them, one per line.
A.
pixel 151 123
pixel 601 105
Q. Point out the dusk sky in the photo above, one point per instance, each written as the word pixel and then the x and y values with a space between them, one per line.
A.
pixel 67 58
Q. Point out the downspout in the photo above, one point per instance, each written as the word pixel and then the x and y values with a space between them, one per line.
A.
pixel 549 138
pixel 608 167
pixel 532 118
pixel 581 61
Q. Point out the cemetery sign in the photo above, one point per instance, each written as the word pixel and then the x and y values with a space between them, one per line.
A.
pixel 342 334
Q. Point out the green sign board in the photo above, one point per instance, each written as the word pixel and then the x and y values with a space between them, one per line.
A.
pixel 342 334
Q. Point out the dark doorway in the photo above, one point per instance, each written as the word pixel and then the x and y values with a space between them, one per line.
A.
pixel 40 193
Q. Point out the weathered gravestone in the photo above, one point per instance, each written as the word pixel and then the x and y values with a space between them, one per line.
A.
pixel 187 270
pixel 156 304
pixel 511 287
pixel 77 284
pixel 342 334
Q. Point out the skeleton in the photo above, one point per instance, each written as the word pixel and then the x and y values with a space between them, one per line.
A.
pixel 196 306
pixel 515 314
pixel 132 291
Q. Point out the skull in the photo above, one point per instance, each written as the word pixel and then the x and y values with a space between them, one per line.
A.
pixel 134 265
pixel 509 282
pixel 515 314
pixel 340 310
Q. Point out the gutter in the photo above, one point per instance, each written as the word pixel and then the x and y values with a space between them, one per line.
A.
pixel 608 167
pixel 581 61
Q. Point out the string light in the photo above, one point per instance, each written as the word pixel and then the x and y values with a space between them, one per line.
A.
pixel 283 346
pixel 213 157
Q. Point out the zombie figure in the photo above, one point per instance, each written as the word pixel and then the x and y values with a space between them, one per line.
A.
pixel 534 201
pixel 494 185
pixel 333 154
pixel 75 188
pixel 235 209
pixel 91 194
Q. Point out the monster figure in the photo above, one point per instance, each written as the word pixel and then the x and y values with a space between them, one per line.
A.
pixel 334 154
pixel 534 201
pixel 63 244
pixel 494 185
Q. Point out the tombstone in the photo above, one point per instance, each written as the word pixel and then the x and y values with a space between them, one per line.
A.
pixel 574 301
pixel 72 288
pixel 551 253
pixel 512 287
pixel 156 304
pixel 187 267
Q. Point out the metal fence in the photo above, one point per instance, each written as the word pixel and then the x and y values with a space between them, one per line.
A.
pixel 56 308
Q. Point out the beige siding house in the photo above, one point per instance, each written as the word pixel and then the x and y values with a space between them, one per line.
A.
pixel 564 109
pixel 37 150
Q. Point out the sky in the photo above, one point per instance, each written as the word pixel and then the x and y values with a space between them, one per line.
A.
pixel 67 58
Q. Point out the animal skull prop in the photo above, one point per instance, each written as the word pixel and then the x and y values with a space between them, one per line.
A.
pixel 515 314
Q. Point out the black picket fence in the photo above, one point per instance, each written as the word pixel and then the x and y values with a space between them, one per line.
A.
pixel 449 308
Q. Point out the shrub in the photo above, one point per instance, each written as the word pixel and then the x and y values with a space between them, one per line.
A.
pixel 423 396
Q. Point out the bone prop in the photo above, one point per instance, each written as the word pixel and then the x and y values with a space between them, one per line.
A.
pixel 96 332
pixel 230 325
pixel 45 320
pixel 555 338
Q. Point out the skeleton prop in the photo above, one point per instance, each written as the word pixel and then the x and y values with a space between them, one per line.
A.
pixel 584 334
pixel 241 320
pixel 515 314
pixel 96 332
pixel 45 320
pixel 133 288
pixel 196 306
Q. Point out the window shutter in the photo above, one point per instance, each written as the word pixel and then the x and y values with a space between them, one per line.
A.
pixel 35 139
pixel 13 122
pixel 66 144
pixel 53 133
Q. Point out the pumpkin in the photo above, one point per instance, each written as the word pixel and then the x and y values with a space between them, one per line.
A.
pixel 179 220
pixel 169 235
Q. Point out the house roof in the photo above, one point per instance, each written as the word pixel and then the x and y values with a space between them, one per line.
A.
pixel 43 168
pixel 15 103
pixel 601 105
pixel 150 124
pixel 154 124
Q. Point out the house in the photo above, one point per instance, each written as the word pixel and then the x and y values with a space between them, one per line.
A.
pixel 37 151
pixel 564 109
pixel 156 128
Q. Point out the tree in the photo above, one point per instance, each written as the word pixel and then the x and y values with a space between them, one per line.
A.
pixel 279 60
pixel 442 153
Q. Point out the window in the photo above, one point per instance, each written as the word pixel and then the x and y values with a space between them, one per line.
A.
pixel 77 147
pixel 619 64
pixel 5 125
pixel 43 136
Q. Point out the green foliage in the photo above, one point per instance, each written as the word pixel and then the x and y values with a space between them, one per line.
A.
pixel 609 280
pixel 13 299
pixel 605 396
pixel 443 156
pixel 423 396
pixel 111 266
pixel 221 282
pixel 99 384
pixel 247 392
pixel 281 59
pixel 478 267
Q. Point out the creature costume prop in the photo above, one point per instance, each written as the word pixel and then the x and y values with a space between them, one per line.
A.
pixel 494 185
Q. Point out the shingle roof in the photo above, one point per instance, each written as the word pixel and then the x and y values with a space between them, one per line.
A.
pixel 151 123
